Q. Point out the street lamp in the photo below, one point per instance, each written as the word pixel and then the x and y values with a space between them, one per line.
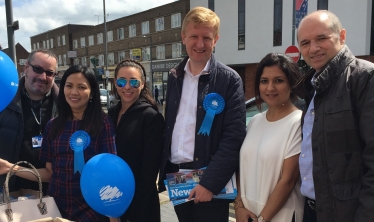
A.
pixel 106 56
pixel 11 27
pixel 98 16
pixel 150 55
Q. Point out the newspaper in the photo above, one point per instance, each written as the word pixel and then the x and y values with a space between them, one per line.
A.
pixel 180 184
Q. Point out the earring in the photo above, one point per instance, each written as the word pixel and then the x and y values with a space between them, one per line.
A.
pixel 91 100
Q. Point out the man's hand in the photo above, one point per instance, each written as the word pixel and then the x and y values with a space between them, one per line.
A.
pixel 201 194
pixel 4 166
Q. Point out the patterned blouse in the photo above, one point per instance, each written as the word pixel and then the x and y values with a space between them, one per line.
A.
pixel 64 185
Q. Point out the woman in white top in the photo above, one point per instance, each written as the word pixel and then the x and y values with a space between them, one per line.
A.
pixel 269 186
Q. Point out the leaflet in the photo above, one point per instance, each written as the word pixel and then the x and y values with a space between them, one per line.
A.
pixel 180 184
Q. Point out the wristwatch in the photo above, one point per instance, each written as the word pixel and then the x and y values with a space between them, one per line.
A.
pixel 238 204
pixel 261 219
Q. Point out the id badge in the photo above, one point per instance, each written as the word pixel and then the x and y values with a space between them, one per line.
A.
pixel 37 141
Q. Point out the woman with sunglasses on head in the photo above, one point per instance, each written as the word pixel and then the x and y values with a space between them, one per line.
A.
pixel 79 109
pixel 139 138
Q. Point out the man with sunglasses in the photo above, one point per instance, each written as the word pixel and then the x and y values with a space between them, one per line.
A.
pixel 24 119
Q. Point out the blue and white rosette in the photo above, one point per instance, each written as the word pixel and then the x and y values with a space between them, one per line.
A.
pixel 79 141
pixel 213 104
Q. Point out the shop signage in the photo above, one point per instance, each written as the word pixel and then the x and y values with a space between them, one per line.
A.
pixel 165 65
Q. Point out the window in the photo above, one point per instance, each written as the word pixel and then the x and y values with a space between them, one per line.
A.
pixel 51 40
pixel 91 64
pixel 277 23
pixel 34 45
pixel 37 45
pixel 58 41
pixel 76 61
pixel 101 60
pixel 121 56
pixel 63 39
pixel 145 27
pixel 146 55
pixel 160 52
pixel 75 43
pixel 176 20
pixel 22 62
pixel 83 42
pixel 109 36
pixel 159 23
pixel 44 46
pixel 211 5
pixel 84 61
pixel 120 33
pixel 111 58
pixel 130 54
pixel 59 60
pixel 91 40
pixel 99 38
pixel 322 4
pixel 176 50
pixel 241 24
pixel 132 30
pixel 64 57
pixel 47 44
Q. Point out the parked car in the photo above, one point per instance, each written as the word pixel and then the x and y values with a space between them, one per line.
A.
pixel 252 108
pixel 103 98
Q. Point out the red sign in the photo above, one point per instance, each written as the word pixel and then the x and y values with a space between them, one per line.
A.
pixel 293 52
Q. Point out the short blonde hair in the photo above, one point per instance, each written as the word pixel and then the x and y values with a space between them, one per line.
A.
pixel 204 16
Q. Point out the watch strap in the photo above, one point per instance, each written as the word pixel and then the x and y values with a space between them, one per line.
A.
pixel 238 204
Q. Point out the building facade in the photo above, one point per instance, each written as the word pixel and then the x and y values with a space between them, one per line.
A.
pixel 21 56
pixel 250 29
pixel 151 37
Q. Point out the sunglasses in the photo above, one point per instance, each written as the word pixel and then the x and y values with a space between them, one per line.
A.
pixel 121 82
pixel 40 70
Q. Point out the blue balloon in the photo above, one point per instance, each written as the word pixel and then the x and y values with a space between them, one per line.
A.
pixel 8 80
pixel 107 184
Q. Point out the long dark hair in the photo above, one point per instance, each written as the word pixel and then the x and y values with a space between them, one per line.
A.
pixel 286 64
pixel 92 116
pixel 144 93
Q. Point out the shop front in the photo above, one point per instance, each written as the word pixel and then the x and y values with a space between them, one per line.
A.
pixel 160 76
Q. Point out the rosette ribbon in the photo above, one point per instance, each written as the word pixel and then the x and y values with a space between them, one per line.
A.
pixel 79 141
pixel 213 104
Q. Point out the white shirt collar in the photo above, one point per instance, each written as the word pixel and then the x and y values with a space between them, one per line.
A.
pixel 203 72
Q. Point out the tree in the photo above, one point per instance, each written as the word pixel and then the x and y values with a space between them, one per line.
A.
pixel 95 62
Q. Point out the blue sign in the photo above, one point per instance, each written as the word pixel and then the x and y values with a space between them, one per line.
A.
pixel 301 9
pixel 100 70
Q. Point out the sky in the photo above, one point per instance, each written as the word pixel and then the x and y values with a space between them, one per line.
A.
pixel 38 16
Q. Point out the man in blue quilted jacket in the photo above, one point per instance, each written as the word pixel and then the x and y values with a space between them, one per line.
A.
pixel 201 84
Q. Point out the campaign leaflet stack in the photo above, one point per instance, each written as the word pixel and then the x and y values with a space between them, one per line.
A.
pixel 179 185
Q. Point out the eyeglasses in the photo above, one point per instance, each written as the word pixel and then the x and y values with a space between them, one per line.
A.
pixel 121 82
pixel 40 70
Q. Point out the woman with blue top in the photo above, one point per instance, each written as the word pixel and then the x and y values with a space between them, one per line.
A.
pixel 80 116
pixel 268 185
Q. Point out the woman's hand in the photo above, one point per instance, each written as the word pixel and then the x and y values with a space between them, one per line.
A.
pixel 242 214
pixel 4 166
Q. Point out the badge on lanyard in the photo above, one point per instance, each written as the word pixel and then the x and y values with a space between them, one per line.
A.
pixel 79 141
pixel 36 141
pixel 213 104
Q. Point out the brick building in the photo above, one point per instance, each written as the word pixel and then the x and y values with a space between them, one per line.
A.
pixel 21 56
pixel 127 37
